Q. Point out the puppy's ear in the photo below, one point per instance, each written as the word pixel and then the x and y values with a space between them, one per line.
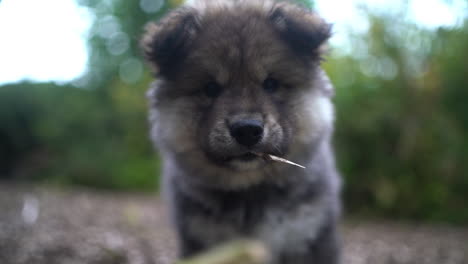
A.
pixel 302 29
pixel 166 43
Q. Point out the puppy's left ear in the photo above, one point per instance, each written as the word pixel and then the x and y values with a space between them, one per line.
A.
pixel 302 29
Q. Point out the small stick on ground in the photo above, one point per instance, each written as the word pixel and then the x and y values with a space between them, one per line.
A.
pixel 270 157
pixel 237 252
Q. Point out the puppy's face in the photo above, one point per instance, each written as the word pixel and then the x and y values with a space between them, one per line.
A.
pixel 238 80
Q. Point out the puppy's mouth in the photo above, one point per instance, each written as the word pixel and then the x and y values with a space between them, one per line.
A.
pixel 246 156
pixel 243 157
pixel 253 156
pixel 249 156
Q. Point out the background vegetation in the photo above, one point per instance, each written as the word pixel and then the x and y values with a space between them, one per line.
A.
pixel 401 136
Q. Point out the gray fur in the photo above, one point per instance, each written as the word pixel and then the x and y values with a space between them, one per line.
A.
pixel 214 194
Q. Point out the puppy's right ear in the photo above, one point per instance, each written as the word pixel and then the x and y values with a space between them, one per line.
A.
pixel 166 43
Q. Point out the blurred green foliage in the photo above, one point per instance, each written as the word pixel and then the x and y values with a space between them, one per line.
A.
pixel 68 135
pixel 402 119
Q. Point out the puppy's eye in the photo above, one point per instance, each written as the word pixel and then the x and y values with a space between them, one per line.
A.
pixel 212 89
pixel 271 85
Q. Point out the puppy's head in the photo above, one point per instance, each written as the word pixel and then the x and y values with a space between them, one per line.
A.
pixel 236 79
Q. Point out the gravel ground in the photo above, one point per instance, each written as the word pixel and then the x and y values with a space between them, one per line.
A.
pixel 46 225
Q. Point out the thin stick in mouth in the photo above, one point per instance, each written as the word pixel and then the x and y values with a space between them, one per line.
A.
pixel 278 159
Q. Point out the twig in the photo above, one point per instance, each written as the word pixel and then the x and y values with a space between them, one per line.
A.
pixel 237 252
pixel 275 158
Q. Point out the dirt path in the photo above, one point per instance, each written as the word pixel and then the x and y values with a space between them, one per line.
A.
pixel 45 225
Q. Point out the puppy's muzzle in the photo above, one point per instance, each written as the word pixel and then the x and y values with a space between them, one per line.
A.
pixel 247 132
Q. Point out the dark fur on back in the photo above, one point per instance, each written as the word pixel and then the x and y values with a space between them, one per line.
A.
pixel 258 62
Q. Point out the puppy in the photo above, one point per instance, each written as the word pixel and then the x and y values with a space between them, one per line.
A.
pixel 235 79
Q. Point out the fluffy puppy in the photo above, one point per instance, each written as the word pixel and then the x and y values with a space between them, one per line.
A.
pixel 233 80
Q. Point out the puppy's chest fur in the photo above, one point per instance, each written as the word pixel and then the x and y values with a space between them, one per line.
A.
pixel 285 217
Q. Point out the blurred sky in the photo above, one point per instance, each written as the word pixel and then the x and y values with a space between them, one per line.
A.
pixel 46 40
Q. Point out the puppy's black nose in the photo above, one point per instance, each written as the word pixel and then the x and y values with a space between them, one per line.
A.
pixel 247 132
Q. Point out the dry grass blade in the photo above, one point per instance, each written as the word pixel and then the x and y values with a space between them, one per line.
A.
pixel 278 159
